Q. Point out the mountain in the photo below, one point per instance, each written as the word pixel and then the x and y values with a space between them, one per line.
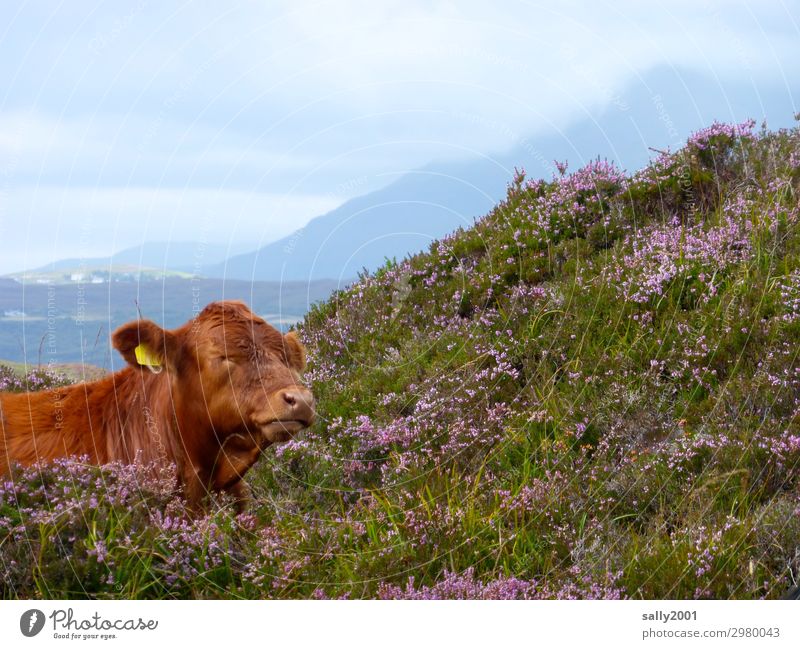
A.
pixel 426 204
pixel 422 205
pixel 405 216
pixel 169 256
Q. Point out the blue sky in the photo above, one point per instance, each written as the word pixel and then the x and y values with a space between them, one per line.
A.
pixel 238 122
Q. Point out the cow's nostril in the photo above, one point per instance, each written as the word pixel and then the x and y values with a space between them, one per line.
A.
pixel 300 404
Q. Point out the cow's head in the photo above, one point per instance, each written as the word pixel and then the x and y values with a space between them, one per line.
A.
pixel 229 367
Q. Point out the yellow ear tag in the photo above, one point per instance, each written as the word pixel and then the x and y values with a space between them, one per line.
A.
pixel 146 357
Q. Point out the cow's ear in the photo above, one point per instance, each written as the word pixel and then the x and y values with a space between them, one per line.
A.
pixel 144 344
pixel 295 352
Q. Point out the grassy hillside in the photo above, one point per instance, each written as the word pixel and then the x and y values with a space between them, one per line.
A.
pixel 593 392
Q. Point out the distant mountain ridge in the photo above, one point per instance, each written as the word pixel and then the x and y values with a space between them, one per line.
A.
pixel 179 256
pixel 402 218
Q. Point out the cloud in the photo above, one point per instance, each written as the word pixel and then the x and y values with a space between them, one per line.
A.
pixel 311 64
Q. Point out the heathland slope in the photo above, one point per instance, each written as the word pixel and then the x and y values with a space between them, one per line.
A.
pixel 592 392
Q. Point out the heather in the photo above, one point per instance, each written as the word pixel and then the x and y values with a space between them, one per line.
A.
pixel 33 379
pixel 590 393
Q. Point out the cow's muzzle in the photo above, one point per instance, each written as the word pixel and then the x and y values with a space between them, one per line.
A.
pixel 290 411
pixel 299 405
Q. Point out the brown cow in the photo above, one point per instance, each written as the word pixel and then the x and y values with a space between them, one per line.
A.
pixel 230 387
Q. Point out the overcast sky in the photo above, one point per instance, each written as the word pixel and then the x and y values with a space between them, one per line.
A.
pixel 237 122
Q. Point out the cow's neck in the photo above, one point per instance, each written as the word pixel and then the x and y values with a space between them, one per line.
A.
pixel 148 418
pixel 138 414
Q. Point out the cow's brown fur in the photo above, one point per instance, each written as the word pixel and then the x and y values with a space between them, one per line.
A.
pixel 229 388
